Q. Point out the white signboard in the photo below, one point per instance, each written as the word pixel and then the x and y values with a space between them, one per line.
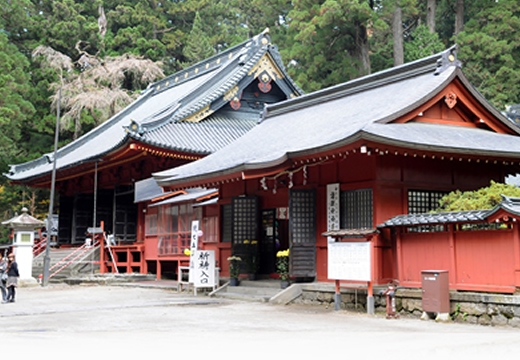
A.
pixel 193 248
pixel 205 268
pixel 349 261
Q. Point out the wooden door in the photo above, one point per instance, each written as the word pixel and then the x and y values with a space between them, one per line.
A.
pixel 302 233
pixel 245 225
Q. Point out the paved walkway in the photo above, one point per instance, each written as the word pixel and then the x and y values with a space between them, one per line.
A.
pixel 149 319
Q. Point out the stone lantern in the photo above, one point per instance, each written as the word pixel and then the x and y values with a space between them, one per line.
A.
pixel 23 227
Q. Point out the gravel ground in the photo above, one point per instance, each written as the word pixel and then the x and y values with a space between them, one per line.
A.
pixel 80 322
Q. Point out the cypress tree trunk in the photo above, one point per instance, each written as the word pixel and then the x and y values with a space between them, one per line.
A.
pixel 397 33
pixel 430 15
pixel 459 17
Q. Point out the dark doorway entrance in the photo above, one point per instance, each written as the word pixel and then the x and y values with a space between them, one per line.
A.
pixel 275 237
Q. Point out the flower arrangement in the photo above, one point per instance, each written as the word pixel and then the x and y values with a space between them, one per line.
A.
pixel 282 264
pixel 234 266
pixel 251 256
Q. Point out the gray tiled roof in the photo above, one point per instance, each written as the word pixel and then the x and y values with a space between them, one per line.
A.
pixel 158 110
pixel 436 218
pixel 192 195
pixel 350 232
pixel 510 205
pixel 205 137
pixel 337 116
pixel 147 189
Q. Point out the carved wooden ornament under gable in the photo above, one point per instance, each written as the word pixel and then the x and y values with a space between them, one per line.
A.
pixel 264 83
pixel 451 100
pixel 265 64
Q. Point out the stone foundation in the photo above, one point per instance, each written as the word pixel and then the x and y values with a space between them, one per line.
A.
pixel 465 307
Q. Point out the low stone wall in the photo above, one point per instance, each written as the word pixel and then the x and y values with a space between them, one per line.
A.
pixel 468 307
pixel 465 307
pixel 322 294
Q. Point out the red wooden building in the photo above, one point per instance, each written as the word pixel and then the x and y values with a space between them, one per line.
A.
pixel 387 144
pixel 179 119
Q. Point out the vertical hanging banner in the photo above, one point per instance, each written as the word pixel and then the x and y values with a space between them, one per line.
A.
pixel 205 269
pixel 332 208
pixel 193 249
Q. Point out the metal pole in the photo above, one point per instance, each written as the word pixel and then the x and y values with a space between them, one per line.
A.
pixel 94 224
pixel 47 259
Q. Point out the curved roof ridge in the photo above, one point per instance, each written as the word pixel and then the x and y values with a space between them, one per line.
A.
pixel 202 67
pixel 435 64
pixel 219 87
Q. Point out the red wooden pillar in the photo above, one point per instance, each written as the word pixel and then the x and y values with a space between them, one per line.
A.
pixel 453 256
pixel 158 275
pixel 129 261
pixel 399 254
pixel 516 249
pixel 144 266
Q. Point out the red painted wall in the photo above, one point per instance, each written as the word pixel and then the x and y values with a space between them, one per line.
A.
pixel 478 261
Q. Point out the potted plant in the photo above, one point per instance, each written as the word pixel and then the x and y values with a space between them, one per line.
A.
pixel 234 269
pixel 282 267
pixel 252 258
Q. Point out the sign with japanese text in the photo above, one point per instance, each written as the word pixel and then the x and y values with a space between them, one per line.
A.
pixel 205 268
pixel 193 248
pixel 349 261
pixel 332 208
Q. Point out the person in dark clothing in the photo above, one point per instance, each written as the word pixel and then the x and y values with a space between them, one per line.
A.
pixel 12 277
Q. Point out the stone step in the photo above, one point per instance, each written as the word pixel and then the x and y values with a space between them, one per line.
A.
pixel 259 290
pixel 244 297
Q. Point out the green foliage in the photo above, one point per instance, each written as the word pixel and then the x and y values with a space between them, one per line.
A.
pixel 490 50
pixel 330 41
pixel 422 43
pixel 485 198
pixel 15 109
pixel 198 47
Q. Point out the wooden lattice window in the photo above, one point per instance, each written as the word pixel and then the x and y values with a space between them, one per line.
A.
pixel 245 215
pixel 174 227
pixel 423 201
pixel 150 223
pixel 356 209
pixel 302 216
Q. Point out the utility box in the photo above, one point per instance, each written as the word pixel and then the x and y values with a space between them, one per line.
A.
pixel 435 291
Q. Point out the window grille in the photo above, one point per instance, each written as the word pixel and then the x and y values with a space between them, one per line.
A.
pixel 302 216
pixel 245 219
pixel 421 201
pixel 174 227
pixel 150 224
pixel 356 209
